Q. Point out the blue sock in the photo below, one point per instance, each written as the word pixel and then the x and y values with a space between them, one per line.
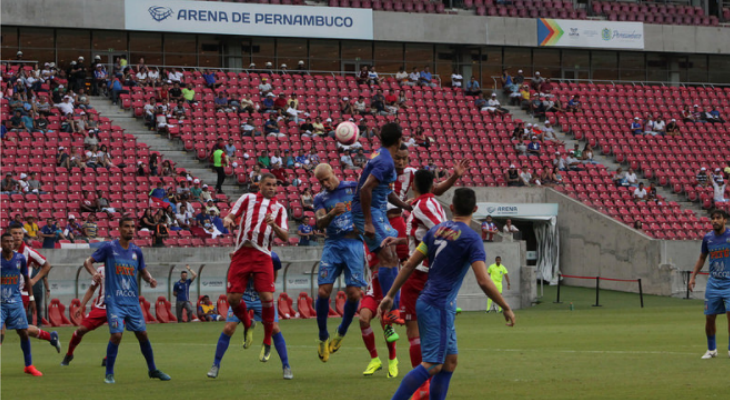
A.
pixel 146 348
pixel 280 345
pixel 411 382
pixel 221 348
pixel 440 385
pixel 111 357
pixel 386 277
pixel 711 343
pixel 323 312
pixel 25 345
pixel 349 314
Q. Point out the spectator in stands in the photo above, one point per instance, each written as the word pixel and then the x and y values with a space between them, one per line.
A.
pixel 362 76
pixel 638 225
pixel 359 160
pixel 546 176
pixel 73 230
pixel 457 80
pixel 673 128
pixel 287 160
pixel 16 122
pixel 472 87
pixel 280 102
pixel 495 107
pixel 373 78
pixel 31 227
pixel 307 200
pixel 189 94
pixel 305 233
pixel 426 79
pixel 702 178
pixel 636 127
pixel 183 191
pixel 556 178
pixel 141 77
pixel 631 179
pixel 714 116
pixel 378 102
pixel 207 311
pixel 480 103
pixel 537 82
pixel 346 106
pixel 17 222
pixel 65 107
pixel 90 228
pixel 346 160
pixel 537 106
pixel 660 127
pixel 640 193
pixel 698 115
pixel 413 77
pixel 572 162
pixel 534 148
pixel 361 106
pixel 271 127
pixel 221 102
pixel 51 234
pixel 489 228
pixel 587 154
pixel 512 176
pixel 210 80
pixel 651 193
pixel 318 127
pixel 175 94
pixel 719 190
pixel 99 81
pixel 268 103
pixel 161 231
pixel 574 104
pixel 175 76
pixel 401 76
pixel 526 176
pixel 245 104
pixel 306 129
pixel 185 214
pixel 249 129
pixel 263 160
pixel 558 162
pixel 264 87
pixel 9 185
pixel 619 178
pixel 509 228
pixel 282 177
pixel 276 160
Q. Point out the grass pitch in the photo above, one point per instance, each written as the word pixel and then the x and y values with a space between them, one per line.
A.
pixel 618 351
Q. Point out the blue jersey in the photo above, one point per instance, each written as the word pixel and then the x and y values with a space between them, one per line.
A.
pixel 718 247
pixel 382 167
pixel 451 248
pixel 12 270
pixel 327 200
pixel 183 290
pixel 121 267
pixel 251 294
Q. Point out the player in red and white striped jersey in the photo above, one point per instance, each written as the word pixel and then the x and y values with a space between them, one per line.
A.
pixel 35 261
pixel 260 217
pixel 427 213
pixel 95 318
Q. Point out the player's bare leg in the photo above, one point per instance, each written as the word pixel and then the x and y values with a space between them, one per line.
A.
pixel 267 316
pixel 51 337
pixel 710 331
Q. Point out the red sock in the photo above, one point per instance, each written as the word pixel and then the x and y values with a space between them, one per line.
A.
pixel 368 337
pixel 242 314
pixel 43 335
pixel 267 315
pixel 415 351
pixel 391 350
pixel 75 340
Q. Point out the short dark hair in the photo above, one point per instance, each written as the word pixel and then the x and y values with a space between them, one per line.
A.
pixel 267 176
pixel 125 219
pixel 402 147
pixel 723 213
pixel 183 272
pixel 6 234
pixel 423 180
pixel 390 134
pixel 464 202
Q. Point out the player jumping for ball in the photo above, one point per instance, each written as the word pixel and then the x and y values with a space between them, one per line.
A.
pixel 369 210
pixel 342 251
pixel 96 317
pixel 451 248
pixel 261 217
pixel 253 302
pixel 717 294
pixel 123 260
pixel 12 314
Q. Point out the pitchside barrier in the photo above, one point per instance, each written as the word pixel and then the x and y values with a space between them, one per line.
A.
pixel 598 286
pixel 686 275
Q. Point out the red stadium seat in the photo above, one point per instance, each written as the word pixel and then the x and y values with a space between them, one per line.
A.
pixel 285 307
pixel 222 305
pixel 72 308
pixel 55 314
pixel 304 306
pixel 162 310
pixel 148 318
pixel 340 300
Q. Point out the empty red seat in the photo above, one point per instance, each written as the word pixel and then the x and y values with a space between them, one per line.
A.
pixel 55 314
pixel 145 305
pixel 304 306
pixel 162 310
pixel 222 305
pixel 285 307
pixel 72 308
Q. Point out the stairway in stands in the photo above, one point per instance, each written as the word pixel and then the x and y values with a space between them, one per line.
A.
pixel 171 150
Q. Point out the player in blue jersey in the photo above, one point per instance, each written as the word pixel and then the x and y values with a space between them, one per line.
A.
pixel 12 314
pixel 716 244
pixel 342 251
pixel 123 260
pixel 451 248
pixel 369 208
pixel 253 302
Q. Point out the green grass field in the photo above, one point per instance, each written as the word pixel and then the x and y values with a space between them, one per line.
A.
pixel 618 351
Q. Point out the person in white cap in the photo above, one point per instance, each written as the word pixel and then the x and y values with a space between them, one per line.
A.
pixel 23 183
pixel 494 106
pixel 717 174
pixel 512 176
pixel 673 128
pixel 300 67
pixel 636 127
pixel 537 82
pixel 719 187
pixel 65 106
pixel 534 149
pixel 284 69
pixel 702 178
pixel 73 230
pixel 19 55
pixel 519 79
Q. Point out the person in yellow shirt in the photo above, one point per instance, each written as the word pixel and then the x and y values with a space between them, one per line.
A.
pixel 497 272
pixel 31 228
pixel 207 311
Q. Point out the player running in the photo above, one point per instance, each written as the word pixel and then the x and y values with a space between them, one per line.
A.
pixel 123 260
pixel 451 247
pixel 12 314
pixel 34 260
pixel 261 217
pixel 253 302
pixel 343 251
pixel 368 311
pixel 96 317
pixel 717 294
pixel 369 208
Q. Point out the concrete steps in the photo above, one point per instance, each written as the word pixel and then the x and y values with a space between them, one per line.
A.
pixel 172 150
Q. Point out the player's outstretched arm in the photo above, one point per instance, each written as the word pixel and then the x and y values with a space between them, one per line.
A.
pixel 698 266
pixel 459 171
pixel 416 259
pixel 488 287
pixel 192 273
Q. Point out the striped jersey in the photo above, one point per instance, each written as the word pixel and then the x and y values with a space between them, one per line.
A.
pixel 99 299
pixel 427 213
pixel 402 185
pixel 252 210
pixel 34 259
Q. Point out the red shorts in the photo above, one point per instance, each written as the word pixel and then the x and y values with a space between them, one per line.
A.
pixel 26 301
pixel 399 224
pixel 95 319
pixel 249 263
pixel 409 294
pixel 373 259
pixel 373 296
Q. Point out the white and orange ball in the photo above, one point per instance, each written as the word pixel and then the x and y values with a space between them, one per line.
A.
pixel 347 133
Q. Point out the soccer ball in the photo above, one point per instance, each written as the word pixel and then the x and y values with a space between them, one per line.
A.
pixel 347 133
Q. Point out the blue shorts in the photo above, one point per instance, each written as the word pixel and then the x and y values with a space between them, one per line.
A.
pixel 438 334
pixel 118 316
pixel 717 298
pixel 13 316
pixel 381 225
pixel 339 255
pixel 251 305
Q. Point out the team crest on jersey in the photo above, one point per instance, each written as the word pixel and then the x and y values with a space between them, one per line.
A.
pixel 134 256
pixel 17 264
pixel 323 273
